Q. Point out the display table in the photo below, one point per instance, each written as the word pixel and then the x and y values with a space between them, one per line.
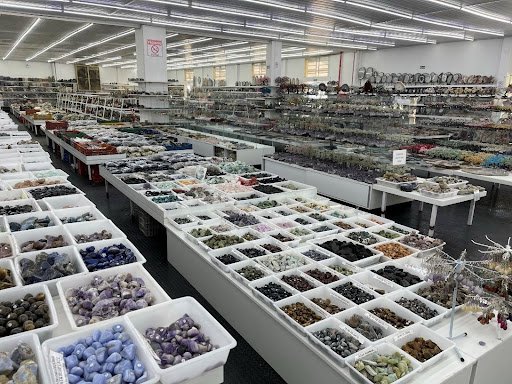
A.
pixel 340 188
pixel 435 202
pixel 289 352
pixel 252 155
pixel 33 125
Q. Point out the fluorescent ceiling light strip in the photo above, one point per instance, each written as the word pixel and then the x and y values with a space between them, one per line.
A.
pixel 121 8
pixel 485 31
pixel 407 38
pixel 69 35
pixel 230 12
pixel 343 17
pixel 445 4
pixel 23 35
pixel 194 50
pixel 394 12
pixel 294 22
pixel 251 34
pixel 314 42
pixel 104 16
pixel 360 33
pixel 117 63
pixel 486 15
pixel 29 7
pixel 101 53
pixel 383 43
pixel 96 43
pixel 436 22
pixel 276 5
pixel 187 26
pixel 274 29
pixel 397 28
pixel 104 60
pixel 165 2
pixel 189 42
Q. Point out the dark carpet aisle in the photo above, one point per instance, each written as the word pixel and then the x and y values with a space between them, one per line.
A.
pixel 493 216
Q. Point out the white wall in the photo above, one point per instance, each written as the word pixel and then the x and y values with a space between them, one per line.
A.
pixel 480 57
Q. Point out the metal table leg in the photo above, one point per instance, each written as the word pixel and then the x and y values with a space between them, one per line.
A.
pixel 421 206
pixel 433 217
pixel 383 204
pixel 106 189
pixel 471 212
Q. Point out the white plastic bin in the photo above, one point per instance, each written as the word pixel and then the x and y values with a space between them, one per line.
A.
pixel 40 233
pixel 68 201
pixel 15 203
pixel 24 216
pixel 164 315
pixel 51 284
pixel 382 302
pixel 64 214
pixel 84 279
pixel 19 293
pixel 13 195
pixel 370 353
pixel 279 305
pixel 98 245
pixel 11 342
pixel 56 343
pixel 89 227
pixel 7 263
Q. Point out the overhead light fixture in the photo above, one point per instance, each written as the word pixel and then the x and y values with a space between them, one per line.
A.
pixel 101 53
pixel 187 26
pixel 29 7
pixel 486 15
pixel 230 12
pixel 242 33
pixel 485 31
pixel 104 60
pixel 69 35
pixel 23 35
pixel 394 12
pixel 275 4
pixel 296 22
pixel 189 42
pixel 121 8
pixel 324 43
pixel 96 43
pixel 275 29
pixel 343 17
pixel 165 2
pixel 397 28
pixel 437 22
pixel 118 63
pixel 106 16
pixel 445 4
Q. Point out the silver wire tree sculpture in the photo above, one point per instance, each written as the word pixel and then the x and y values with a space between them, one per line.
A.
pixel 460 275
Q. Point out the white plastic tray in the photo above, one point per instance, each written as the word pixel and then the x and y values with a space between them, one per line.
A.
pixel 24 216
pixel 78 211
pixel 90 227
pixel 40 233
pixel 51 284
pixel 84 279
pixel 13 203
pixel 164 315
pixel 68 201
pixel 56 343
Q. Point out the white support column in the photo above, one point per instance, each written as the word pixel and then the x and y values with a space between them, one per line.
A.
pixel 505 63
pixel 151 58
pixel 274 62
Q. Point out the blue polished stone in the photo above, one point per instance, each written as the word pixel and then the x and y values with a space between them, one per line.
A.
pixel 71 361
pixel 128 352
pixel 129 376
pixel 101 355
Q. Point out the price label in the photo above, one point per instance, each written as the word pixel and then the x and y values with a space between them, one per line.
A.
pixel 377 320
pixel 200 172
pixel 399 157
pixel 402 335
pixel 383 281
pixel 58 368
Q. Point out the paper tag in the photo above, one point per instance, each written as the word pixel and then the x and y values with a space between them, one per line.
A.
pixel 399 157
pixel 58 368
pixel 402 335
pixel 383 281
pixel 200 172
pixel 352 333
pixel 377 320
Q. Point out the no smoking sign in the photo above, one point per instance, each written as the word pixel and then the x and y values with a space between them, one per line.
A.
pixel 154 48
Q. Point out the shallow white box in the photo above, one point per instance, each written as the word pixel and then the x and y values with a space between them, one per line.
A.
pixel 167 313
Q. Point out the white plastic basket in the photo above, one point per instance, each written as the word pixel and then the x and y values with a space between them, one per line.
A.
pixel 24 216
pixel 13 203
pixel 66 213
pixel 11 342
pixel 167 313
pixel 279 305
pixel 13 195
pixel 370 353
pixel 333 323
pixel 98 245
pixel 373 281
pixel 56 343
pixel 385 328
pixel 266 280
pixel 7 263
pixel 51 284
pixel 19 293
pixel 382 302
pixel 236 267
pixel 40 233
pixel 84 279
pixel 89 227
pixel 409 295
pixel 68 201
pixel 327 293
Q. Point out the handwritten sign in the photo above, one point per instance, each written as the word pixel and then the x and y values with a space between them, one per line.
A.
pixel 399 157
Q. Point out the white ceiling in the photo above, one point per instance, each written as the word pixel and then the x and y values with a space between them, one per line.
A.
pixel 320 25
